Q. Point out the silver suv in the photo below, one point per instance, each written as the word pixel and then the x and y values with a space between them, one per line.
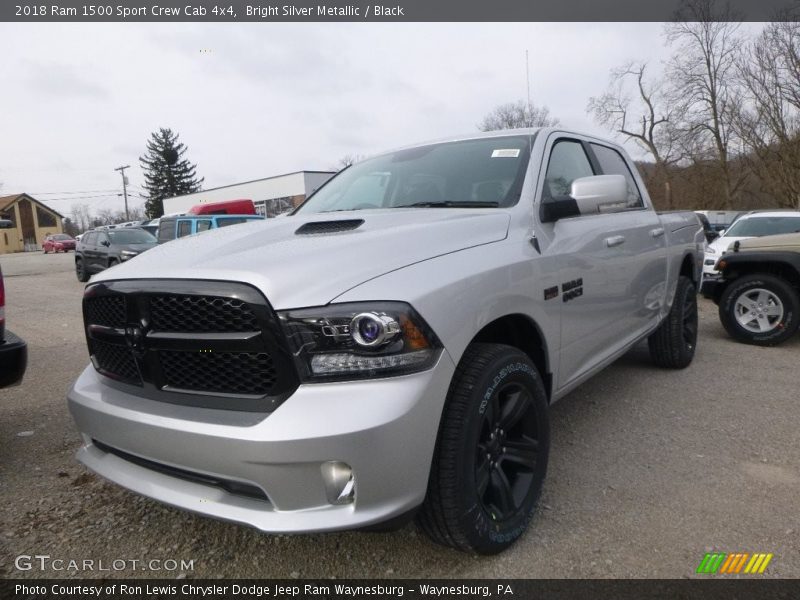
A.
pixel 392 347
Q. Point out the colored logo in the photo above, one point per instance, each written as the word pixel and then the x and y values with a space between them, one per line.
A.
pixel 738 562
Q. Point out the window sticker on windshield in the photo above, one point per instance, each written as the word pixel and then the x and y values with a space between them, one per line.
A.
pixel 505 153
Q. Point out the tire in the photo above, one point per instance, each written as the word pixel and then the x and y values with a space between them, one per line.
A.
pixel 491 381
pixel 674 343
pixel 80 271
pixel 774 310
pixel 112 263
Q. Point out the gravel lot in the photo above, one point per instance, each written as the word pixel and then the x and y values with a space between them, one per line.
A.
pixel 649 470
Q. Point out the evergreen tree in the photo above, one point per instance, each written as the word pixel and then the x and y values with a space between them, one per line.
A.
pixel 166 172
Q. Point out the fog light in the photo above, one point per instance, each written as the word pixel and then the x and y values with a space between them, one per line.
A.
pixel 340 484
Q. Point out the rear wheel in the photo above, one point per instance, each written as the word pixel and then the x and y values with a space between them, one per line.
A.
pixel 491 455
pixel 760 309
pixel 80 270
pixel 673 344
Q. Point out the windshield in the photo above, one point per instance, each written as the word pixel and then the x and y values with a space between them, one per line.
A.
pixel 480 173
pixel 761 226
pixel 61 236
pixel 131 236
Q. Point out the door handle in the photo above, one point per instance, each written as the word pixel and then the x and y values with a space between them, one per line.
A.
pixel 615 240
pixel 657 233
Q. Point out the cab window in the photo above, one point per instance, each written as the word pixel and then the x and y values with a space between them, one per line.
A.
pixel 568 162
pixel 203 225
pixel 612 163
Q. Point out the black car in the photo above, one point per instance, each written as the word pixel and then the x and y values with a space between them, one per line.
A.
pixel 13 351
pixel 100 249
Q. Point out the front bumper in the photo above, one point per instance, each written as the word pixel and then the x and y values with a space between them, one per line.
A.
pixel 384 429
pixel 711 286
pixel 13 359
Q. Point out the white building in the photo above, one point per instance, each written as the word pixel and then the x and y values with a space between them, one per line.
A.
pixel 272 195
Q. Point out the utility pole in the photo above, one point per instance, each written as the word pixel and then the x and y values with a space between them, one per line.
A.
pixel 528 81
pixel 124 187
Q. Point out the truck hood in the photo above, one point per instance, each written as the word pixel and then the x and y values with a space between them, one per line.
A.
pixel 310 269
pixel 783 242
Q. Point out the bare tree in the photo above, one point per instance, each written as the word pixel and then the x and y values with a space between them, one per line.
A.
pixel 81 216
pixel 702 73
pixel 769 120
pixel 637 109
pixel 347 160
pixel 517 114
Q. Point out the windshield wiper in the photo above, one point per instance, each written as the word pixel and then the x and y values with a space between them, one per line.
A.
pixel 450 204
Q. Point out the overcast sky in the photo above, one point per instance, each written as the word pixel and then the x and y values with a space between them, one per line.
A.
pixel 261 99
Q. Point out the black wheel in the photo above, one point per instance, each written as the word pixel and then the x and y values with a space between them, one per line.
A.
pixel 80 271
pixel 491 455
pixel 760 309
pixel 673 344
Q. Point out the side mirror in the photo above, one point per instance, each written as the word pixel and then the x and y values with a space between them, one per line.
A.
pixel 600 194
pixel 721 232
pixel 588 196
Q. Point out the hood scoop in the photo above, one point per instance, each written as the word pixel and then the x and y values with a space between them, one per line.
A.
pixel 319 227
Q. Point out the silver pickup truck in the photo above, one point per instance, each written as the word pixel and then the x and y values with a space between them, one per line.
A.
pixel 391 348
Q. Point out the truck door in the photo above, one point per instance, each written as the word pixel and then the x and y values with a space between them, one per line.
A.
pixel 593 260
pixel 644 252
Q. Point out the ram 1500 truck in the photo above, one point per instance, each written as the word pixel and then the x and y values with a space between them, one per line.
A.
pixel 391 348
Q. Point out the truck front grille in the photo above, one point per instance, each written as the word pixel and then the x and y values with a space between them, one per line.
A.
pixel 212 344
pixel 115 361
pixel 247 373
pixel 201 313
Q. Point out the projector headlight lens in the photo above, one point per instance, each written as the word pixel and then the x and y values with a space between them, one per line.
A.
pixel 358 340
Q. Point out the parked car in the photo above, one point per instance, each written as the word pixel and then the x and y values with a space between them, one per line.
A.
pixel 170 228
pixel 100 249
pixel 758 291
pixel 13 350
pixel 150 225
pixel 393 346
pixel 58 242
pixel 753 224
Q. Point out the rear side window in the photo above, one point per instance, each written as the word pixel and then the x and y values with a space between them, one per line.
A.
pixel 612 163
pixel 568 162
pixel 184 228
pixel 203 225
pixel 166 230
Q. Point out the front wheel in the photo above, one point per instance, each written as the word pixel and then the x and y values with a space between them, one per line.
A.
pixel 673 344
pixel 760 309
pixel 491 455
pixel 80 271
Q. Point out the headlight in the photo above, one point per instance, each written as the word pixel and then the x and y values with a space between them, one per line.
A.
pixel 710 250
pixel 126 254
pixel 358 340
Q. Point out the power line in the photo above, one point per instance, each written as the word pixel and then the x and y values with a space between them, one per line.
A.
pixel 75 192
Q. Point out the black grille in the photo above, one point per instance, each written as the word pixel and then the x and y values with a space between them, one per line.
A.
pixel 202 343
pixel 106 310
pixel 201 313
pixel 223 372
pixel 329 226
pixel 116 361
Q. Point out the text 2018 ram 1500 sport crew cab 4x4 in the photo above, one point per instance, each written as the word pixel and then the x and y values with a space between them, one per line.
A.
pixel 392 347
